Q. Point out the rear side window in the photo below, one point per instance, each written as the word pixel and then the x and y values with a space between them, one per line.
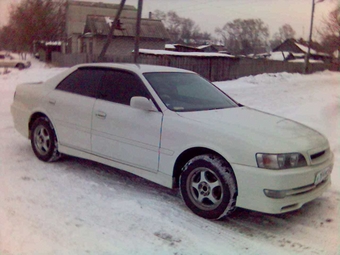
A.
pixel 120 86
pixel 84 81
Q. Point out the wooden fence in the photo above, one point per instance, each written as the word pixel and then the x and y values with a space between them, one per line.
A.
pixel 212 68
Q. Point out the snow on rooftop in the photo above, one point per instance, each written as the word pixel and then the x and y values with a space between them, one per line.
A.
pixel 302 60
pixel 312 51
pixel 282 55
pixel 170 46
pixel 54 43
pixel 305 48
pixel 278 55
pixel 108 20
pixel 203 46
pixel 191 54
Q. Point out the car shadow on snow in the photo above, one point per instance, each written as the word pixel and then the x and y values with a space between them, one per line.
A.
pixel 110 175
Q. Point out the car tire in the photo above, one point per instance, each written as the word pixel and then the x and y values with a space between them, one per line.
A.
pixel 208 186
pixel 44 141
pixel 20 66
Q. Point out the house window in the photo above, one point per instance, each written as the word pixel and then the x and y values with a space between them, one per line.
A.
pixel 69 46
pixel 91 47
pixel 83 47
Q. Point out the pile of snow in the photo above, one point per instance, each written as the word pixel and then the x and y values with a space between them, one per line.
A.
pixel 278 55
pixel 75 206
pixel 283 55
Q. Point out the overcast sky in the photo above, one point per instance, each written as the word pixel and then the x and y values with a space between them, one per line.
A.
pixel 209 14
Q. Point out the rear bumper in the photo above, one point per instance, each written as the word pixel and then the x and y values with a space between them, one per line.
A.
pixel 20 119
pixel 299 186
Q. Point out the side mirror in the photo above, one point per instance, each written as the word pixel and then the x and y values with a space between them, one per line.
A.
pixel 142 103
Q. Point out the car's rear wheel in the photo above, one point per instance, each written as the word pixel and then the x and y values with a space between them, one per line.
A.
pixel 44 141
pixel 208 186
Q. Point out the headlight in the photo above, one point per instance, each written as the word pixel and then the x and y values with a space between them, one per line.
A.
pixel 280 161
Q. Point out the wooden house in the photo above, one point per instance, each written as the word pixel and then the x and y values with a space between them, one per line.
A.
pixel 299 49
pixel 153 35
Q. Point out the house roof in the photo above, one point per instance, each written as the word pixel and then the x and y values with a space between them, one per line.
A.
pixel 187 54
pixel 100 25
pixel 201 47
pixel 291 45
pixel 99 4
pixel 193 48
pixel 186 48
pixel 77 12
pixel 170 47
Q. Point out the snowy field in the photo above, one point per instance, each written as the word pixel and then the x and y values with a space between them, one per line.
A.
pixel 75 206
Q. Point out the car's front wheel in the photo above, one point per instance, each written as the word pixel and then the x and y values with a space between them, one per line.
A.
pixel 208 186
pixel 44 142
pixel 20 66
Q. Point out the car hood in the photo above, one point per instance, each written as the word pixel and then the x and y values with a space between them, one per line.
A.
pixel 260 127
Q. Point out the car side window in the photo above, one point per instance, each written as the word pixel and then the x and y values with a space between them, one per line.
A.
pixel 120 86
pixel 83 81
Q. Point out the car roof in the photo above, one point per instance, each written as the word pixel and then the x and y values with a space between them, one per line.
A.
pixel 137 68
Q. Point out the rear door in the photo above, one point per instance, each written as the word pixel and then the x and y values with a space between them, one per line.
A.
pixel 122 133
pixel 70 106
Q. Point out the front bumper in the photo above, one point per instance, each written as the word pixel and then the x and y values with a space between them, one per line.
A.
pixel 299 186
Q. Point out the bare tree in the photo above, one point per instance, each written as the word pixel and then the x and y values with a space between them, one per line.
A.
pixel 35 20
pixel 285 32
pixel 181 29
pixel 330 31
pixel 244 36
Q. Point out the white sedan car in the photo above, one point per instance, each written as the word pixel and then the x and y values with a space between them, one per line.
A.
pixel 174 128
pixel 7 60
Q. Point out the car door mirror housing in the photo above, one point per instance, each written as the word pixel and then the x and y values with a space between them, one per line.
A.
pixel 142 103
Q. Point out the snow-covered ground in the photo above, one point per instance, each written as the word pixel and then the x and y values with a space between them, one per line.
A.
pixel 75 206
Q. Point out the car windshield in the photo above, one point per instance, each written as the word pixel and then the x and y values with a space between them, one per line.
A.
pixel 182 92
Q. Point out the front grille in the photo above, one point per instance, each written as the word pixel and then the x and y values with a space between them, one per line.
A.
pixel 305 189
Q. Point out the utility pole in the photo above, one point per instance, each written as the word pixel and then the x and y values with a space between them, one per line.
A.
pixel 310 39
pixel 112 29
pixel 138 24
pixel 310 36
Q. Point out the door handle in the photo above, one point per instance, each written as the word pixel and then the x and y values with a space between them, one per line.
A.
pixel 101 115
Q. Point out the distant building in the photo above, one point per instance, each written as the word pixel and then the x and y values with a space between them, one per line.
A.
pixel 207 48
pixel 299 50
pixel 191 48
pixel 186 48
pixel 153 35
pixel 76 16
pixel 43 49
